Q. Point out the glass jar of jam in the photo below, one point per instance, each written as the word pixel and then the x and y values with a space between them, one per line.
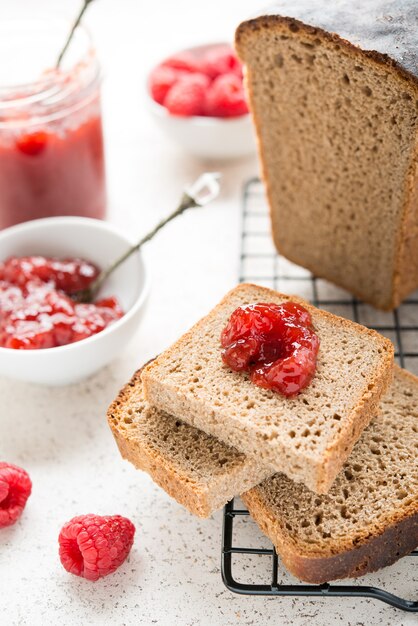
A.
pixel 51 140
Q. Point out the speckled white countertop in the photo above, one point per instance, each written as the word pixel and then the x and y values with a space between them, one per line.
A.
pixel 60 435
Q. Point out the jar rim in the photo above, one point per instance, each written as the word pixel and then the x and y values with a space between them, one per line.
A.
pixel 56 91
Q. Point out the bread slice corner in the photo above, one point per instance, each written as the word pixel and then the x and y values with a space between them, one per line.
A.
pixel 369 518
pixel 198 471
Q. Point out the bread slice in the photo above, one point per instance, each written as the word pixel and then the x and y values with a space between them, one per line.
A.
pixel 369 519
pixel 307 437
pixel 200 472
pixel 333 89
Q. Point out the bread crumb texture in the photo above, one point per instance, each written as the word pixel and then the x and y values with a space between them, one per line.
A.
pixel 308 436
pixel 201 472
pixel 376 489
pixel 338 136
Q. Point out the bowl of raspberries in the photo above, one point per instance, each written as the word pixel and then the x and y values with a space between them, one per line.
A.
pixel 197 97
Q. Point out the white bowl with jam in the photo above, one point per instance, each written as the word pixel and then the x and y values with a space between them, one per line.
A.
pixel 99 243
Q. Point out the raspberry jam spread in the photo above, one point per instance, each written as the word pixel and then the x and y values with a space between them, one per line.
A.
pixel 275 343
pixel 43 174
pixel 204 81
pixel 36 310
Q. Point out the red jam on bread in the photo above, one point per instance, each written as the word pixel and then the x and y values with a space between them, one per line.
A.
pixel 275 343
pixel 36 310
pixel 206 81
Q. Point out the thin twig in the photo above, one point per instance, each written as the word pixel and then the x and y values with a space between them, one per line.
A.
pixel 204 190
pixel 72 31
pixel 186 203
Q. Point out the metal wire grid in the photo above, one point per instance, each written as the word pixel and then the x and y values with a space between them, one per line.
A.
pixel 261 264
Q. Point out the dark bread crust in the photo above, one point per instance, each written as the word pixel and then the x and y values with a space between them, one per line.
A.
pixel 164 475
pixel 375 552
pixel 319 18
pixel 405 277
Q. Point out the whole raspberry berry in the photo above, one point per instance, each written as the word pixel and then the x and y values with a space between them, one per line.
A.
pixel 225 97
pixel 221 60
pixel 161 80
pixel 15 489
pixel 187 96
pixel 93 546
pixel 185 61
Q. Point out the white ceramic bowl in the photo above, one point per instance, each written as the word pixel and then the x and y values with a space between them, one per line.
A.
pixel 96 241
pixel 206 137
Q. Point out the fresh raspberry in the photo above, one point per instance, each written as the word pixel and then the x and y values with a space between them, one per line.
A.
pixel 185 61
pixel 187 97
pixel 93 546
pixel 161 80
pixel 15 489
pixel 221 60
pixel 225 97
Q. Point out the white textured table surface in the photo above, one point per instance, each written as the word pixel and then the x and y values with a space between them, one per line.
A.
pixel 60 435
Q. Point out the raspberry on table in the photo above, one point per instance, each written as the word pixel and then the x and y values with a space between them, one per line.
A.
pixel 187 96
pixel 225 97
pixel 15 489
pixel 93 546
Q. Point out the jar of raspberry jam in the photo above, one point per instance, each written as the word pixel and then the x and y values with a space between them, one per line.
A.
pixel 51 140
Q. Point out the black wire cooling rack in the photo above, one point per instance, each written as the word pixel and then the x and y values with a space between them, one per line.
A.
pixel 260 264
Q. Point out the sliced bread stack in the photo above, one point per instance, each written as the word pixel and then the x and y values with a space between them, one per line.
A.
pixel 205 434
pixel 368 519
pixel 307 437
pixel 199 471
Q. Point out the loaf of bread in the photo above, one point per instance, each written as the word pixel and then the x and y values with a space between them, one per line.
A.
pixel 308 437
pixel 369 519
pixel 199 471
pixel 333 90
